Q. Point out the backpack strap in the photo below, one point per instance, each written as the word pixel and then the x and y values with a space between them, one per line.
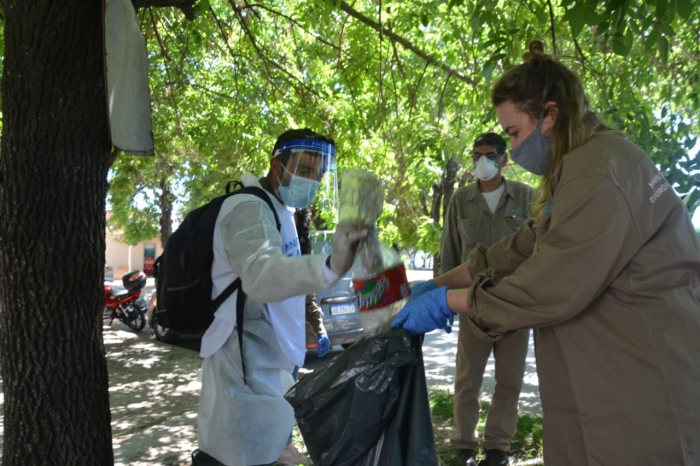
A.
pixel 236 285
pixel 235 185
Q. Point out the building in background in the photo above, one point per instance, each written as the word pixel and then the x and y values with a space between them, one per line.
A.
pixel 120 258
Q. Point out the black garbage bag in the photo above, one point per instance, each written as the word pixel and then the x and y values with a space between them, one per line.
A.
pixel 368 406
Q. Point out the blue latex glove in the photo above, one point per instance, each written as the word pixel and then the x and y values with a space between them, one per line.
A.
pixel 422 288
pixel 427 313
pixel 324 345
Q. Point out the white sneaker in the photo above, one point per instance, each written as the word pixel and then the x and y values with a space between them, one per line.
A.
pixel 290 456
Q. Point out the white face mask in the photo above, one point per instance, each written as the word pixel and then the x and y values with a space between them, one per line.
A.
pixel 486 169
pixel 300 191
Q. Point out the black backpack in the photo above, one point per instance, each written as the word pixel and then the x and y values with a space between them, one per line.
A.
pixel 183 271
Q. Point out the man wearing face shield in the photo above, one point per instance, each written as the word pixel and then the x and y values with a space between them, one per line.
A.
pixel 243 419
pixel 483 213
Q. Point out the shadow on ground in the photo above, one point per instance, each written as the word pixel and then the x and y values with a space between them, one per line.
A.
pixel 153 395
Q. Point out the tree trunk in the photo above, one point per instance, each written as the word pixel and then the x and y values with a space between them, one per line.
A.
pixel 166 211
pixel 442 194
pixel 449 177
pixel 54 160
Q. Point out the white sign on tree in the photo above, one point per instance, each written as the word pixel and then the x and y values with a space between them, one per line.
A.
pixel 126 73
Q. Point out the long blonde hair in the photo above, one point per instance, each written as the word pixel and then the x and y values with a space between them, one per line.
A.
pixel 541 79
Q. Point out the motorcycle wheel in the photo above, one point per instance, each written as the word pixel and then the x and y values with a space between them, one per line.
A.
pixel 136 320
pixel 161 333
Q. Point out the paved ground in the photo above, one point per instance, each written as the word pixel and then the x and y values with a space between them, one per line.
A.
pixel 154 393
pixel 440 351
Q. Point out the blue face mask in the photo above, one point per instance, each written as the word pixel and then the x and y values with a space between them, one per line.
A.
pixel 534 154
pixel 300 191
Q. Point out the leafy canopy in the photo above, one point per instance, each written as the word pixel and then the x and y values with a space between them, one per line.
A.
pixel 403 87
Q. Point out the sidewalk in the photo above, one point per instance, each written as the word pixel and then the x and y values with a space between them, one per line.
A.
pixel 440 353
pixel 154 397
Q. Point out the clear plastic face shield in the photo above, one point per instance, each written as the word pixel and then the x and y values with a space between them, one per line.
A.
pixel 309 173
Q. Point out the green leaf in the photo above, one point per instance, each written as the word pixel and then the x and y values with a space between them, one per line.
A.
pixel 663 49
pixel 424 19
pixel 602 28
pixel 614 5
pixel 590 16
pixel 476 21
pixel 634 27
pixel 651 40
pixel 620 45
pixel 629 40
pixel 662 10
pixel 200 7
pixel 692 198
pixel 667 30
pixel 487 17
pixel 685 8
pixel 575 18
pixel 488 71
pixel 489 116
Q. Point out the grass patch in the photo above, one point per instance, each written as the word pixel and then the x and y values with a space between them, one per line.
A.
pixel 441 403
pixel 526 445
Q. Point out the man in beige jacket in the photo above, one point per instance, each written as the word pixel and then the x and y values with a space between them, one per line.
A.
pixel 485 212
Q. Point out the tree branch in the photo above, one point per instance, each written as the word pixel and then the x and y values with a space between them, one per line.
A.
pixel 687 54
pixel 223 34
pixel 266 60
pixel 167 70
pixel 291 20
pixel 183 5
pixel 442 94
pixel 551 21
pixel 211 91
pixel 578 48
pixel 382 30
pixel 398 61
pixel 672 40
pixel 113 155
pixel 396 93
pixel 158 38
pixel 414 97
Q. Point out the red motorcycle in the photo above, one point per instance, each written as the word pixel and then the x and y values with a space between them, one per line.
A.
pixel 126 304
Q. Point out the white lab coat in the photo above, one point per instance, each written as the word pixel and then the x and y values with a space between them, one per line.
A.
pixel 243 424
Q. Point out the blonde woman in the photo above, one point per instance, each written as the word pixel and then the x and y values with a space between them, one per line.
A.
pixel 607 273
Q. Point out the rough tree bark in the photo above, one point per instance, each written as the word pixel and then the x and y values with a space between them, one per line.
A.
pixel 449 177
pixel 53 166
pixel 166 211
pixel 442 194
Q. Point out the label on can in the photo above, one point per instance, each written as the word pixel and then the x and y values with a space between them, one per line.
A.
pixel 387 288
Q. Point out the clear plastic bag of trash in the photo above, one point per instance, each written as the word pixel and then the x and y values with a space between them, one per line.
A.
pixel 361 197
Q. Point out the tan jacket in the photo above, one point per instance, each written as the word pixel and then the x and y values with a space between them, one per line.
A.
pixel 314 315
pixel 468 221
pixel 610 280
